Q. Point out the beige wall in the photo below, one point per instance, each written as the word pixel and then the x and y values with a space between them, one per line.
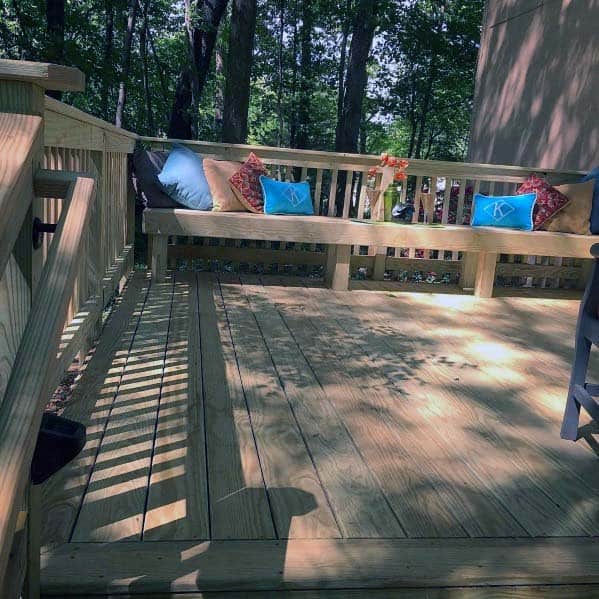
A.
pixel 537 88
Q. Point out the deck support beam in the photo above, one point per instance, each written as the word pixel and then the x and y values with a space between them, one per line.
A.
pixel 478 272
pixel 337 268
pixel 380 259
pixel 158 246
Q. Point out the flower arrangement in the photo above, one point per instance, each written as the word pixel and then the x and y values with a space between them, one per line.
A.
pixel 399 165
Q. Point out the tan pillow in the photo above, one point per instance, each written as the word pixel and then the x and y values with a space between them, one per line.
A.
pixel 574 216
pixel 217 174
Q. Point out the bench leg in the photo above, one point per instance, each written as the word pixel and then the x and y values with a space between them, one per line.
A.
pixel 380 258
pixel 468 273
pixel 478 271
pixel 158 250
pixel 485 274
pixel 337 269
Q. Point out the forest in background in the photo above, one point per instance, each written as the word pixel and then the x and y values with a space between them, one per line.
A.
pixel 345 75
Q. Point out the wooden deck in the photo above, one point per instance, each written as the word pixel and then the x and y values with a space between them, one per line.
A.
pixel 266 434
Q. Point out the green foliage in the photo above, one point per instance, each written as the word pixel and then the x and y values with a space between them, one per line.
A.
pixel 421 71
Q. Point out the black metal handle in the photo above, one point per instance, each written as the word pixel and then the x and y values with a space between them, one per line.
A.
pixel 39 228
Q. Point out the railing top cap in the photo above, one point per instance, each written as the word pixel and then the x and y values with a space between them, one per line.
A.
pixel 46 75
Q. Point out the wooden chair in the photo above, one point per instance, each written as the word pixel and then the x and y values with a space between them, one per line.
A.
pixel 581 393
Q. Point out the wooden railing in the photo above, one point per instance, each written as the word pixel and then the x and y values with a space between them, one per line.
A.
pixel 68 169
pixel 325 171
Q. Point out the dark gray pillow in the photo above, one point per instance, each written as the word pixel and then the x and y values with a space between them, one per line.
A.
pixel 146 166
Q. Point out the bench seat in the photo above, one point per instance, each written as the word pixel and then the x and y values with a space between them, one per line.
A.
pixel 481 245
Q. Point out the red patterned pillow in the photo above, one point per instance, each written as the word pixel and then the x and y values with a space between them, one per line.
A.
pixel 549 200
pixel 245 183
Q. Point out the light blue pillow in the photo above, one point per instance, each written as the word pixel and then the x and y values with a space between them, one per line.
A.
pixel 286 198
pixel 183 179
pixel 514 212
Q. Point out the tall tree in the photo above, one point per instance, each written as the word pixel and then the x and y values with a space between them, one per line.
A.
pixel 202 19
pixel 126 63
pixel 107 57
pixel 219 93
pixel 280 70
pixel 365 22
pixel 346 23
pixel 55 33
pixel 143 53
pixel 306 76
pixel 239 66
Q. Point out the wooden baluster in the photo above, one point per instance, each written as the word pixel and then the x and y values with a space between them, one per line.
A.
pixel 332 193
pixel 318 191
pixel 417 194
pixel 347 198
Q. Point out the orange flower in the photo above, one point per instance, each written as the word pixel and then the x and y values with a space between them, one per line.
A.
pixel 399 176
pixel 384 157
pixel 372 171
pixel 392 161
pixel 403 163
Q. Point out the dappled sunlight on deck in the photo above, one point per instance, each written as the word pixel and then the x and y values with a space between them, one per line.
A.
pixel 268 409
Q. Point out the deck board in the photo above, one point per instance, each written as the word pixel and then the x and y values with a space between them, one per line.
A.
pixel 434 497
pixel 178 494
pixel 115 499
pixel 90 404
pixel 486 426
pixel 239 504
pixel 300 505
pixel 360 506
pixel 232 419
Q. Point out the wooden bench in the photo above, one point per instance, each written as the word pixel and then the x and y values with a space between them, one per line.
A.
pixel 339 193
pixel 481 245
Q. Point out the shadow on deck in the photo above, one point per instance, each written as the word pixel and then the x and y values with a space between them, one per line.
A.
pixel 266 434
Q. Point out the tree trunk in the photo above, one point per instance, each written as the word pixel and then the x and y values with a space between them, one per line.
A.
pixel 239 66
pixel 159 66
pixel 438 27
pixel 294 77
pixel 202 39
pixel 55 32
pixel 342 61
pixel 143 51
pixel 219 93
pixel 365 21
pixel 280 67
pixel 426 105
pixel 107 62
pixel 305 86
pixel 126 63
pixel 179 126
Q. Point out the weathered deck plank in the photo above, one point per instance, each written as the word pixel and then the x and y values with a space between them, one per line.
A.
pixel 177 506
pixel 300 505
pixel 483 428
pixel 92 398
pixel 160 567
pixel 239 504
pixel 114 502
pixel 430 493
pixel 360 506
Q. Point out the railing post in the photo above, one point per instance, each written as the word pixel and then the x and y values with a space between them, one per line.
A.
pixel 22 86
pixel 380 257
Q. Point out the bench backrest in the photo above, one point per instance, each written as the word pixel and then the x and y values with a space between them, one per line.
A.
pixel 325 170
pixel 338 187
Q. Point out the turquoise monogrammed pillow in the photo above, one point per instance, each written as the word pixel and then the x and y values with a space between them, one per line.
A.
pixel 286 198
pixel 513 212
